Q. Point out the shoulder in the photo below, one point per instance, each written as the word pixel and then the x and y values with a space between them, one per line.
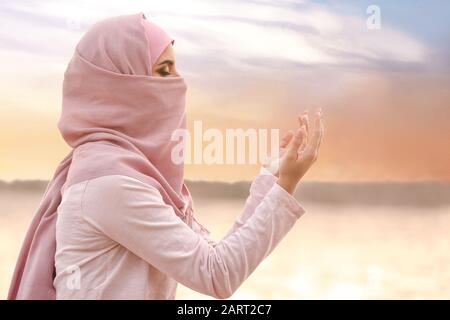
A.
pixel 110 202
pixel 118 191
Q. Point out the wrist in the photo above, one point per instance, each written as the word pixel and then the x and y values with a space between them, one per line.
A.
pixel 287 185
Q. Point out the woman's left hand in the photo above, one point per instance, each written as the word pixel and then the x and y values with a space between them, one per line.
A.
pixel 272 162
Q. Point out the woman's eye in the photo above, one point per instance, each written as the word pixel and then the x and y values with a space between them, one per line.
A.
pixel 164 73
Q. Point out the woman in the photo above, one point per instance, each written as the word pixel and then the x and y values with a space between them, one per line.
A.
pixel 116 220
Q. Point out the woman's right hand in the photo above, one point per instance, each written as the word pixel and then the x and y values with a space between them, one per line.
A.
pixel 301 154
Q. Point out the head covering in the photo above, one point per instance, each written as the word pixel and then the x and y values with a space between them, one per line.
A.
pixel 157 40
pixel 118 119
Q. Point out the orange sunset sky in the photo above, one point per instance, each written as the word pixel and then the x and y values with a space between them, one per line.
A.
pixel 255 64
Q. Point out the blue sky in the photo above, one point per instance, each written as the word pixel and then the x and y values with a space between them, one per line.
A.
pixel 429 20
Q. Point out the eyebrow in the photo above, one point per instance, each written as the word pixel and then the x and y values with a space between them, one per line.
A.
pixel 169 62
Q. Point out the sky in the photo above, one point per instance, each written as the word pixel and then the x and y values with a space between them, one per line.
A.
pixel 255 64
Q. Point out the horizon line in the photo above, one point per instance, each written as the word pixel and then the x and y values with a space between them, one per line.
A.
pixel 249 181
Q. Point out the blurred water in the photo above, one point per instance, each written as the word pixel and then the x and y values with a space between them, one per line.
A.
pixel 331 253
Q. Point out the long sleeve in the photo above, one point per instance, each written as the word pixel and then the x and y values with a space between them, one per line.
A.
pixel 134 215
pixel 258 189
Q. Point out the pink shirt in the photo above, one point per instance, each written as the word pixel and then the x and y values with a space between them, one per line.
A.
pixel 117 239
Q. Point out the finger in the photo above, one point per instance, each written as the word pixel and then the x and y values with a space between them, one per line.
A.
pixel 304 141
pixel 295 144
pixel 318 131
pixel 311 149
pixel 286 139
pixel 305 120
pixel 321 129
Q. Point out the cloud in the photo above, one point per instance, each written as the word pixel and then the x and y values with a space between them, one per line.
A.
pixel 292 31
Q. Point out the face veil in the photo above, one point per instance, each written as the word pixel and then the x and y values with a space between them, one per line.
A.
pixel 110 96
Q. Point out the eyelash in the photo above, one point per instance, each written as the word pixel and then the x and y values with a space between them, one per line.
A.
pixel 164 73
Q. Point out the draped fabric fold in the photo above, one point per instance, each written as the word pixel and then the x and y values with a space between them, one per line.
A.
pixel 118 119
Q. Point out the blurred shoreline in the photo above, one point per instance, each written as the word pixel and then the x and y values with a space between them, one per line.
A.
pixel 415 194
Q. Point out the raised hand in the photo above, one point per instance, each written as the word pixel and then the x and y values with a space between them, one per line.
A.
pixel 272 162
pixel 301 153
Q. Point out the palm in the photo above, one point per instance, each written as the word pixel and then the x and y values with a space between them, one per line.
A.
pixel 274 161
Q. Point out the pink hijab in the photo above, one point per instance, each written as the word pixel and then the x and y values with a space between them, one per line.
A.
pixel 118 119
